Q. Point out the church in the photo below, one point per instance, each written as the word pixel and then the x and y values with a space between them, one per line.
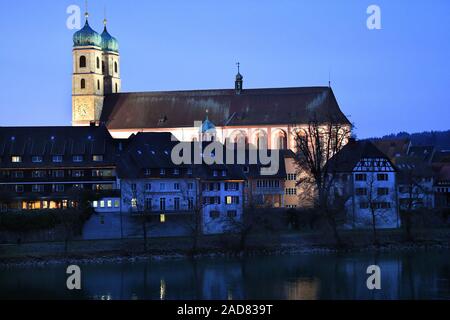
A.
pixel 263 117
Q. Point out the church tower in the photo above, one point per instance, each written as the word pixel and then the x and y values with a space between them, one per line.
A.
pixel 87 78
pixel 111 62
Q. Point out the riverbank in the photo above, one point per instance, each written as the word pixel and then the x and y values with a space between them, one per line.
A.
pixel 131 250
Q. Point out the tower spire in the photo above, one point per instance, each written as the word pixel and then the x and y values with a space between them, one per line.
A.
pixel 86 14
pixel 105 20
pixel 239 79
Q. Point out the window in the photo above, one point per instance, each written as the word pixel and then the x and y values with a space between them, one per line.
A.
pixel 291 191
pixel 95 204
pixel 232 214
pixel 162 218
pixel 261 141
pixel 363 205
pixel 18 174
pixel 360 177
pixel 191 204
pixel 77 173
pixel 19 188
pixel 190 186
pixel 109 203
pixel 176 171
pixel 215 173
pixel 115 70
pixel 148 204
pixel 232 200
pixel 148 187
pixel 98 84
pixel 291 177
pixel 382 177
pixel 36 159
pixel 82 62
pixel 231 186
pixel 134 203
pixel 383 191
pixel 37 188
pixel 281 141
pixel 162 172
pixel 77 158
pixel 176 204
pixel 116 203
pixel 162 204
pixel 224 173
pixel 176 186
pixel 38 174
pixel 148 172
pixel 98 63
pixel 58 187
pixel 117 88
pixel 189 171
pixel 102 204
pixel 16 159
pixel 58 173
pixel 133 187
pixel 162 186
pixel 267 183
pixel 97 158
pixel 83 84
pixel 361 191
pixel 214 214
pixel 57 159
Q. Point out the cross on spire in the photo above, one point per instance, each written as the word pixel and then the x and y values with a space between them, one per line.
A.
pixel 86 14
pixel 238 66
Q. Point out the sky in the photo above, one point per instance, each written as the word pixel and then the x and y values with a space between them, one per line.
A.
pixel 388 80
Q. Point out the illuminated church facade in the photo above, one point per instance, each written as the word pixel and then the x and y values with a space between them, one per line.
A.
pixel 263 117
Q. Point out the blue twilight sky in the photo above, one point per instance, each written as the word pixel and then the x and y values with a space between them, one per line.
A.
pixel 385 80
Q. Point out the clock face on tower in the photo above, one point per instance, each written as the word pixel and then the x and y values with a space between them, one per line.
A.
pixel 81 111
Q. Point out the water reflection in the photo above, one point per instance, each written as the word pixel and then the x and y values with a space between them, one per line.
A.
pixel 303 277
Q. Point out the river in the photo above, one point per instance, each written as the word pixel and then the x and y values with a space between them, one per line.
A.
pixel 404 275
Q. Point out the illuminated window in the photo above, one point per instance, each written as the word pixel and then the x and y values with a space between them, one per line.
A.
pixel 134 203
pixel 97 158
pixel 116 203
pixel 232 200
pixel 16 159
pixel 162 218
pixel 82 62
pixel 109 203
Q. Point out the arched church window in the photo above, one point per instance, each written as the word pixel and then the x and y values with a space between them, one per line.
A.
pixel 83 84
pixel 281 141
pixel 98 84
pixel 261 141
pixel 241 139
pixel 117 88
pixel 98 63
pixel 82 62
pixel 115 67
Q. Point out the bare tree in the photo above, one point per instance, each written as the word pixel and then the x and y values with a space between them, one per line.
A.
pixel 316 144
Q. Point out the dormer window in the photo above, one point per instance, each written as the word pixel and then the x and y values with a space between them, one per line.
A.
pixel 176 171
pixel 36 159
pixel 162 172
pixel 57 159
pixel 16 159
pixel 77 158
pixel 97 158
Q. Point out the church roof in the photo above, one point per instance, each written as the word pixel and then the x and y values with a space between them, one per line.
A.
pixel 225 108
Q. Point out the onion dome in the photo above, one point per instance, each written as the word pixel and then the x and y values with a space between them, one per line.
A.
pixel 109 43
pixel 86 37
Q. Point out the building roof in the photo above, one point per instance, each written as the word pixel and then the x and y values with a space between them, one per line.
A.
pixel 349 156
pixel 411 168
pixel 423 152
pixel 56 141
pixel 224 107
pixel 86 37
pixel 393 148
